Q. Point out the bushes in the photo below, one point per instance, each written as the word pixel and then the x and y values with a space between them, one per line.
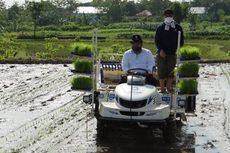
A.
pixel 189 53
pixel 228 53
pixel 83 65
pixel 39 35
pixel 188 69
pixel 9 48
pixel 82 49
pixel 187 86
pixel 70 27
pixel 83 83
pixel 217 34
pixel 128 35
pixel 76 27
pixel 49 28
pixel 150 26
pixel 227 20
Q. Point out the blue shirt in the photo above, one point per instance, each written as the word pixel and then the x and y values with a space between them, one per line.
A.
pixel 144 60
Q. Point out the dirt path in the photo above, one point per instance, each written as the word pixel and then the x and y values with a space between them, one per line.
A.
pixel 40 113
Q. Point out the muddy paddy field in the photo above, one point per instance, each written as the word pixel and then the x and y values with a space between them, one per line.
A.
pixel 40 113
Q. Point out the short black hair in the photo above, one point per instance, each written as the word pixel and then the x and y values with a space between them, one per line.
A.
pixel 168 11
pixel 136 38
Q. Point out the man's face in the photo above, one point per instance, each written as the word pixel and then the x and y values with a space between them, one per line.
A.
pixel 136 46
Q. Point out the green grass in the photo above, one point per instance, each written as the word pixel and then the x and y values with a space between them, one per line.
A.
pixel 187 86
pixel 83 65
pixel 188 69
pixel 82 83
pixel 212 50
pixel 82 49
pixel 209 49
pixel 189 52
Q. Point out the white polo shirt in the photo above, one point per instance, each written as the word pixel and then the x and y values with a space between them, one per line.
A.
pixel 144 60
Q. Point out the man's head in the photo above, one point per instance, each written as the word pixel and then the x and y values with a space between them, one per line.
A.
pixel 137 43
pixel 168 13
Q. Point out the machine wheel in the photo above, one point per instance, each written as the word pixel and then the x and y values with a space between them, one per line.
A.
pixel 169 130
pixel 102 129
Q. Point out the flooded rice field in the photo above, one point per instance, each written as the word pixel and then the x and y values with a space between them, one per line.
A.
pixel 40 113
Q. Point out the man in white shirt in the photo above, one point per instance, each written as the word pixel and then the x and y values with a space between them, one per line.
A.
pixel 138 57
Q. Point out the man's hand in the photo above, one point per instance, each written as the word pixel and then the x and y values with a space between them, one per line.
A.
pixel 162 54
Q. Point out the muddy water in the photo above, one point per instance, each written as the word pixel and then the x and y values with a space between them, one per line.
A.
pixel 145 140
pixel 131 139
pixel 210 125
pixel 39 112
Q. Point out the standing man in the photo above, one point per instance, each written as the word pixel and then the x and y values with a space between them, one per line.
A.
pixel 138 57
pixel 166 40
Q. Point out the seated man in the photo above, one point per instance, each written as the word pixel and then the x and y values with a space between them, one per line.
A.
pixel 138 57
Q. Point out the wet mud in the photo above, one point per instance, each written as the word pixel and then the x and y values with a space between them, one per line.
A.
pixel 40 113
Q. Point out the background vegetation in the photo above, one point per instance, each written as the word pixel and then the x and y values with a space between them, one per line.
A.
pixel 49 29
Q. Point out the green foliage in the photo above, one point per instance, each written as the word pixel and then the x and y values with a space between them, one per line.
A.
pixel 150 26
pixel 36 9
pixel 43 55
pixel 13 15
pixel 39 35
pixel 117 48
pixel 82 49
pixel 189 52
pixel 51 49
pixel 178 12
pixel 82 83
pixel 128 35
pixel 70 27
pixel 227 20
pixel 193 20
pixel 187 86
pixel 215 34
pixel 188 69
pixel 228 53
pixel 49 28
pixel 8 48
pixel 83 65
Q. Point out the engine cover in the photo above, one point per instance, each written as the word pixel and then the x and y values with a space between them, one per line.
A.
pixel 138 92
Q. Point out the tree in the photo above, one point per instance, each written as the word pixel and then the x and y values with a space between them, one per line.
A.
pixel 66 8
pixel 64 3
pixel 193 21
pixel 220 14
pixel 158 6
pixel 203 3
pixel 2 15
pixel 13 15
pixel 50 14
pixel 130 8
pixel 35 8
pixel 178 12
pixel 113 8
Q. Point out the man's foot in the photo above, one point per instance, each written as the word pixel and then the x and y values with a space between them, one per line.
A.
pixel 163 92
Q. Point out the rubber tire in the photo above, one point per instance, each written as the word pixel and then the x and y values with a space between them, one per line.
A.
pixel 169 130
pixel 102 129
